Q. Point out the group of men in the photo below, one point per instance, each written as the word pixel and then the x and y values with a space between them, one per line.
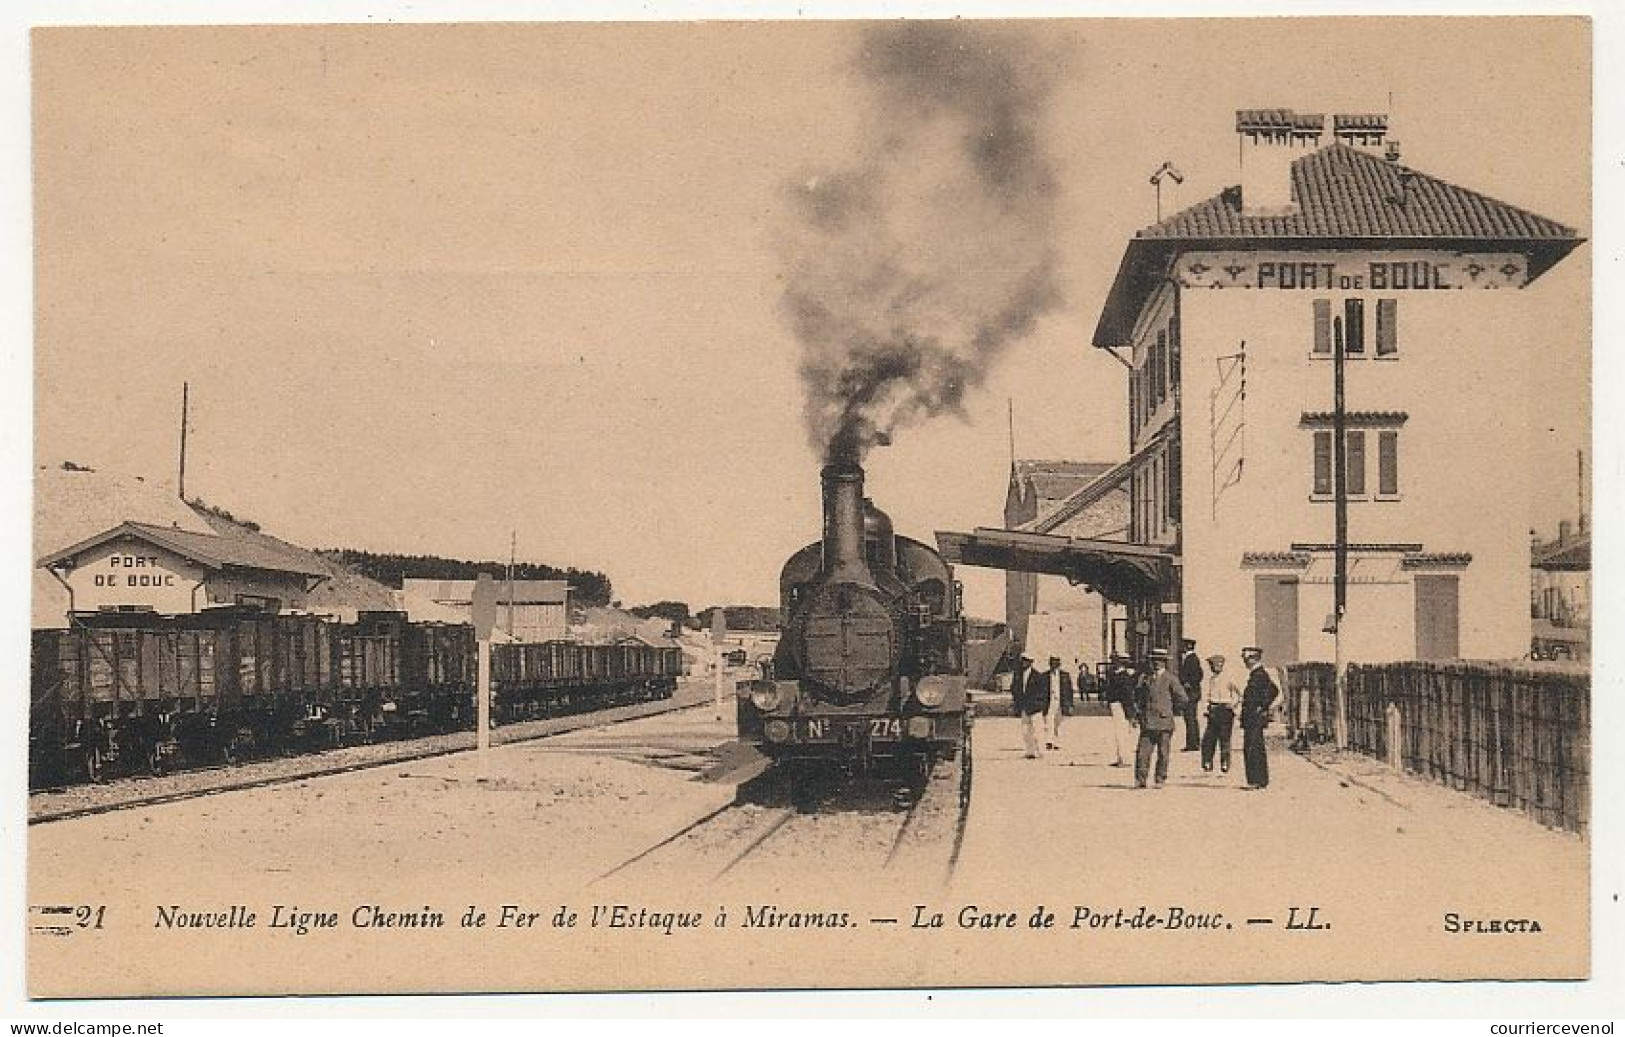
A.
pixel 1148 699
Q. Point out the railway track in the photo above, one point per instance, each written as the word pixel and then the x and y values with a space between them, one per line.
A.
pixel 50 805
pixel 774 825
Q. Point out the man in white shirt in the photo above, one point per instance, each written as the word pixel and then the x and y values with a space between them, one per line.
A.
pixel 1223 699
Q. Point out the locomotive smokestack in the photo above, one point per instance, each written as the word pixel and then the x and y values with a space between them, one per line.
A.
pixel 843 522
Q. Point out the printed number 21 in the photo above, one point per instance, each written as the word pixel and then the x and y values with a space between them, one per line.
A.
pixel 89 917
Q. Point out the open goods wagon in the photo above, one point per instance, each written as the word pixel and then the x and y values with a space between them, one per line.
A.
pixel 130 692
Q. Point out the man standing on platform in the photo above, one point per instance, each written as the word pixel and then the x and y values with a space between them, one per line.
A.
pixel 1162 698
pixel 1031 691
pixel 1057 694
pixel 1119 696
pixel 1223 696
pixel 1191 676
pixel 1256 700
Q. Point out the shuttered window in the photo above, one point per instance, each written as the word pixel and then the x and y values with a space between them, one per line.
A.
pixel 1175 493
pixel 1159 369
pixel 1323 464
pixel 1388 463
pixel 1354 327
pixel 1323 327
pixel 1387 327
pixel 1173 355
pixel 1355 461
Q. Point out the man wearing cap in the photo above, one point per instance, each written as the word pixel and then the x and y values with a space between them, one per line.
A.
pixel 1162 699
pixel 1056 691
pixel 1191 675
pixel 1223 696
pixel 1032 702
pixel 1256 700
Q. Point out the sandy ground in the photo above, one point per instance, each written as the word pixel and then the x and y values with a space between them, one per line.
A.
pixel 528 849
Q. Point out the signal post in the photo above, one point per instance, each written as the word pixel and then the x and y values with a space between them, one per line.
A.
pixel 484 609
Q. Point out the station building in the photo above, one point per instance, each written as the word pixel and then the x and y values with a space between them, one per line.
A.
pixel 1049 614
pixel 1560 593
pixel 1225 314
pixel 115 543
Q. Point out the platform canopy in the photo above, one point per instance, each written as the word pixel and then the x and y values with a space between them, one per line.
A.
pixel 1121 572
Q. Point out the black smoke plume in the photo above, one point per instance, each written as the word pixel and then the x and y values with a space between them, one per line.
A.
pixel 910 271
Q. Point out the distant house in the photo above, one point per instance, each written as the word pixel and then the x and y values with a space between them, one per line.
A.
pixel 540 608
pixel 1560 594
pixel 601 625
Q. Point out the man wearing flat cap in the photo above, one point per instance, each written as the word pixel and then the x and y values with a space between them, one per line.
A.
pixel 1162 699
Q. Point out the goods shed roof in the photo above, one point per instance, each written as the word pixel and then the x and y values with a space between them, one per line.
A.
pixel 206 549
pixel 461 592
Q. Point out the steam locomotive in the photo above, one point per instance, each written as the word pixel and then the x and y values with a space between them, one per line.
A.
pixel 870 667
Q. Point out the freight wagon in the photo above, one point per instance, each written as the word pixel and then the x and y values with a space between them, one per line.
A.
pixel 126 692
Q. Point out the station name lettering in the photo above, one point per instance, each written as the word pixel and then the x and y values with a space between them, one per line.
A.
pixel 150 576
pixel 1376 276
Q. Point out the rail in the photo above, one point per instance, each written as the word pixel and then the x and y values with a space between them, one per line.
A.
pixel 1519 737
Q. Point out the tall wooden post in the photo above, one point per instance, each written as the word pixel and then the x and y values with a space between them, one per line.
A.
pixel 1340 547
pixel 185 401
pixel 484 614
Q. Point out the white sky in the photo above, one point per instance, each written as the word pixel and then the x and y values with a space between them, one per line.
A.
pixel 431 283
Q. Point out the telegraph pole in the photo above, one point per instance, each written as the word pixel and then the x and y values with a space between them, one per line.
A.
pixel 513 549
pixel 185 393
pixel 1340 547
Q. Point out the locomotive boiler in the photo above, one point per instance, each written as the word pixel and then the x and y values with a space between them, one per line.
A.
pixel 870 671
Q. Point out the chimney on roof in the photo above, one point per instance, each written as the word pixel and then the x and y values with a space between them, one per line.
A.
pixel 1365 130
pixel 1271 139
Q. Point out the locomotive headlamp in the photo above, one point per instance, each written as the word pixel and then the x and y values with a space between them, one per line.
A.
pixel 764 695
pixel 931 691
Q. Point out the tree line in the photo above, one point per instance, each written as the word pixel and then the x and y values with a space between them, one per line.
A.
pixel 587 587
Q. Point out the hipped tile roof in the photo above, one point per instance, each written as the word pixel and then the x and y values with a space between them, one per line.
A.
pixel 1344 197
pixel 1343 192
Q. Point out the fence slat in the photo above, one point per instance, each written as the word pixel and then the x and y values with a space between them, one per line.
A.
pixel 1519 738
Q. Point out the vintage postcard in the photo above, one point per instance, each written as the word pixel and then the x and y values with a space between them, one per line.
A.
pixel 530 507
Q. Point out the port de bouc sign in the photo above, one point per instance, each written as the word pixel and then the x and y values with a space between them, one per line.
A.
pixel 1351 271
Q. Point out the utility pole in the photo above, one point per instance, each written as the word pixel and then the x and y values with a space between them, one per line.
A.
pixel 185 393
pixel 1340 547
pixel 1010 404
pixel 1580 460
pixel 513 549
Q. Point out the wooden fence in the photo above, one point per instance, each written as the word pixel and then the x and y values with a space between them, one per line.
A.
pixel 1519 737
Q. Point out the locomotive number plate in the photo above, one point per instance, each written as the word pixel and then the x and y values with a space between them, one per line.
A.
pixel 825 729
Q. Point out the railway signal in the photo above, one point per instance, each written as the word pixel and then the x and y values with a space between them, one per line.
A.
pixel 484 614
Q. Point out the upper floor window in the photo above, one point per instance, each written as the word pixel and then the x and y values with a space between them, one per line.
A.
pixel 1354 328
pixel 1359 444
